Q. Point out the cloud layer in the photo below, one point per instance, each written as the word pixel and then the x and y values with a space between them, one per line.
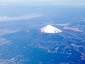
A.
pixel 73 29
pixel 45 2
pixel 31 16
pixel 8 0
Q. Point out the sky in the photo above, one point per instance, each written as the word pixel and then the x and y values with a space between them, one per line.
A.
pixel 42 2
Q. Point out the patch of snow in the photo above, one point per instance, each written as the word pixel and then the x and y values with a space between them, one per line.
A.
pixel 50 29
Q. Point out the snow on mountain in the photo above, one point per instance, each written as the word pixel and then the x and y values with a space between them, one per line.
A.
pixel 50 29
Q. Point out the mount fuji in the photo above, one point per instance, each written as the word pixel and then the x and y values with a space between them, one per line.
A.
pixel 50 29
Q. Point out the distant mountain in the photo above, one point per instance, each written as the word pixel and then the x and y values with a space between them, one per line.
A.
pixel 50 29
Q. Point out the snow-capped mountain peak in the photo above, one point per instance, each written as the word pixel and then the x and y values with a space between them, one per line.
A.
pixel 50 29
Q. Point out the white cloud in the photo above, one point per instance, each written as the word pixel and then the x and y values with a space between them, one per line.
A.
pixel 3 41
pixel 7 18
pixel 40 0
pixel 19 59
pixel 73 29
pixel 8 0
pixel 45 2
pixel 7 31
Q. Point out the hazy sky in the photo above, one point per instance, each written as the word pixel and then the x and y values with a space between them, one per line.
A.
pixel 42 2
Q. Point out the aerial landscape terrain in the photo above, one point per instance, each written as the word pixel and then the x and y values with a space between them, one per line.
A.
pixel 41 34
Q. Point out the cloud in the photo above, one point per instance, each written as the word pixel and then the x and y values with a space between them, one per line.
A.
pixel 4 32
pixel 63 24
pixel 3 41
pixel 19 59
pixel 41 0
pixel 7 31
pixel 31 16
pixel 8 0
pixel 73 29
pixel 44 2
